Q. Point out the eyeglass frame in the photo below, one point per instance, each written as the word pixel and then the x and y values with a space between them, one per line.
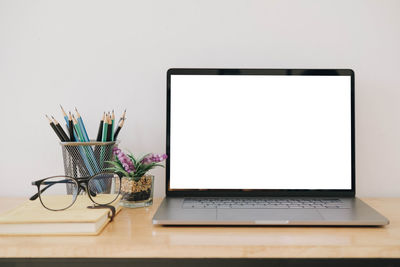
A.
pixel 80 182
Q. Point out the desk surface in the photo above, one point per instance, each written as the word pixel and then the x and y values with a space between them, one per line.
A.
pixel 132 235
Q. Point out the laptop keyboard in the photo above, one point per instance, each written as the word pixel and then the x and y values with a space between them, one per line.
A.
pixel 262 203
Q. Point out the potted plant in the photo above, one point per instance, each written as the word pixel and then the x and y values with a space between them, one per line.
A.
pixel 136 184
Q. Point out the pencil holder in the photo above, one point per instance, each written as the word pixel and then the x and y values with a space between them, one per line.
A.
pixel 84 159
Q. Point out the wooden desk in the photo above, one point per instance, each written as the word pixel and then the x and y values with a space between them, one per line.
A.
pixel 132 235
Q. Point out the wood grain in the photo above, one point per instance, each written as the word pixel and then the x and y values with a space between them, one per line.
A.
pixel 133 235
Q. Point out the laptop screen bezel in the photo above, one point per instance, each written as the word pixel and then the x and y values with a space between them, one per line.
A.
pixel 258 192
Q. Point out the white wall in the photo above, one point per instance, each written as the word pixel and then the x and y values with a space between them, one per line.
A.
pixel 99 55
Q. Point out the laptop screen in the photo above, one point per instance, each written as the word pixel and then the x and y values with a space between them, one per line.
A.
pixel 268 132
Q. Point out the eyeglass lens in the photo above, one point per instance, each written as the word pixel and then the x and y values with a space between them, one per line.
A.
pixel 104 188
pixel 58 193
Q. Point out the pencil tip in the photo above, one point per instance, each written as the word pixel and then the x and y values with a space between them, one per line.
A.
pixel 48 118
pixel 62 109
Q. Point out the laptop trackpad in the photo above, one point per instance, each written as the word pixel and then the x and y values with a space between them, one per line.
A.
pixel 271 215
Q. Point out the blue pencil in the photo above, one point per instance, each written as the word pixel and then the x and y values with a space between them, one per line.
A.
pixel 86 139
pixel 81 150
pixel 80 121
pixel 65 115
pixel 84 148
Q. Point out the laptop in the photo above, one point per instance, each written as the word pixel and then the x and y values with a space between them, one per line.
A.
pixel 261 147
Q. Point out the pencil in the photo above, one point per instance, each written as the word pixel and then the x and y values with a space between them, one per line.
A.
pixel 60 130
pixel 55 129
pixel 123 115
pixel 103 139
pixel 121 123
pixel 83 150
pixel 64 114
pixel 70 150
pixel 77 129
pixel 82 126
pixel 71 128
pixel 109 130
pixel 70 125
pixel 112 125
pixel 100 132
pixel 105 128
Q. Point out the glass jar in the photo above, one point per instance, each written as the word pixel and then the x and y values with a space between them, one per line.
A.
pixel 137 192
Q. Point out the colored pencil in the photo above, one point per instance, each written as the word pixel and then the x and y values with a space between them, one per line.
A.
pixel 55 129
pixel 109 130
pixel 100 132
pixel 103 139
pixel 83 163
pixel 69 149
pixel 121 123
pixel 71 128
pixel 85 138
pixel 105 128
pixel 77 129
pixel 83 149
pixel 123 115
pixel 112 125
pixel 67 121
pixel 64 114
pixel 80 135
pixel 82 126
pixel 60 130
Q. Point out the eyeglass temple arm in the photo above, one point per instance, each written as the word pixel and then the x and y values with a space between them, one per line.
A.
pixel 35 196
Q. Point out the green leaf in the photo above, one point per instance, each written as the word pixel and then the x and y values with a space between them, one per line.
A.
pixel 138 166
pixel 132 159
pixel 117 168
pixel 115 163
pixel 158 165
pixel 118 161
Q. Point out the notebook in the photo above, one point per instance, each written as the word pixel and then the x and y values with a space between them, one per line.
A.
pixel 31 218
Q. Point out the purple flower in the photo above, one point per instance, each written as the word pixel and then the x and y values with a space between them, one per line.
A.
pixel 124 159
pixel 154 158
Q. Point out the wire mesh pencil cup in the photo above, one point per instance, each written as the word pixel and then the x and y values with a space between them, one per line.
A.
pixel 84 159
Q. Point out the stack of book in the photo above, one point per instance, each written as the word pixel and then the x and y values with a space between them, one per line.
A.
pixel 31 218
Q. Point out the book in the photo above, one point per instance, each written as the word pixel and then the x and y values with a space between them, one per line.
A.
pixel 31 218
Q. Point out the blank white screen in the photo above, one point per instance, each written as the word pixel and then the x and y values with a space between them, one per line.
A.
pixel 260 132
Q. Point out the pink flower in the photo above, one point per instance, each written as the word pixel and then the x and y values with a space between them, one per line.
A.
pixel 154 158
pixel 124 159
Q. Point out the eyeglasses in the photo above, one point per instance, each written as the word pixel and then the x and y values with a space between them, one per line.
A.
pixel 60 192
